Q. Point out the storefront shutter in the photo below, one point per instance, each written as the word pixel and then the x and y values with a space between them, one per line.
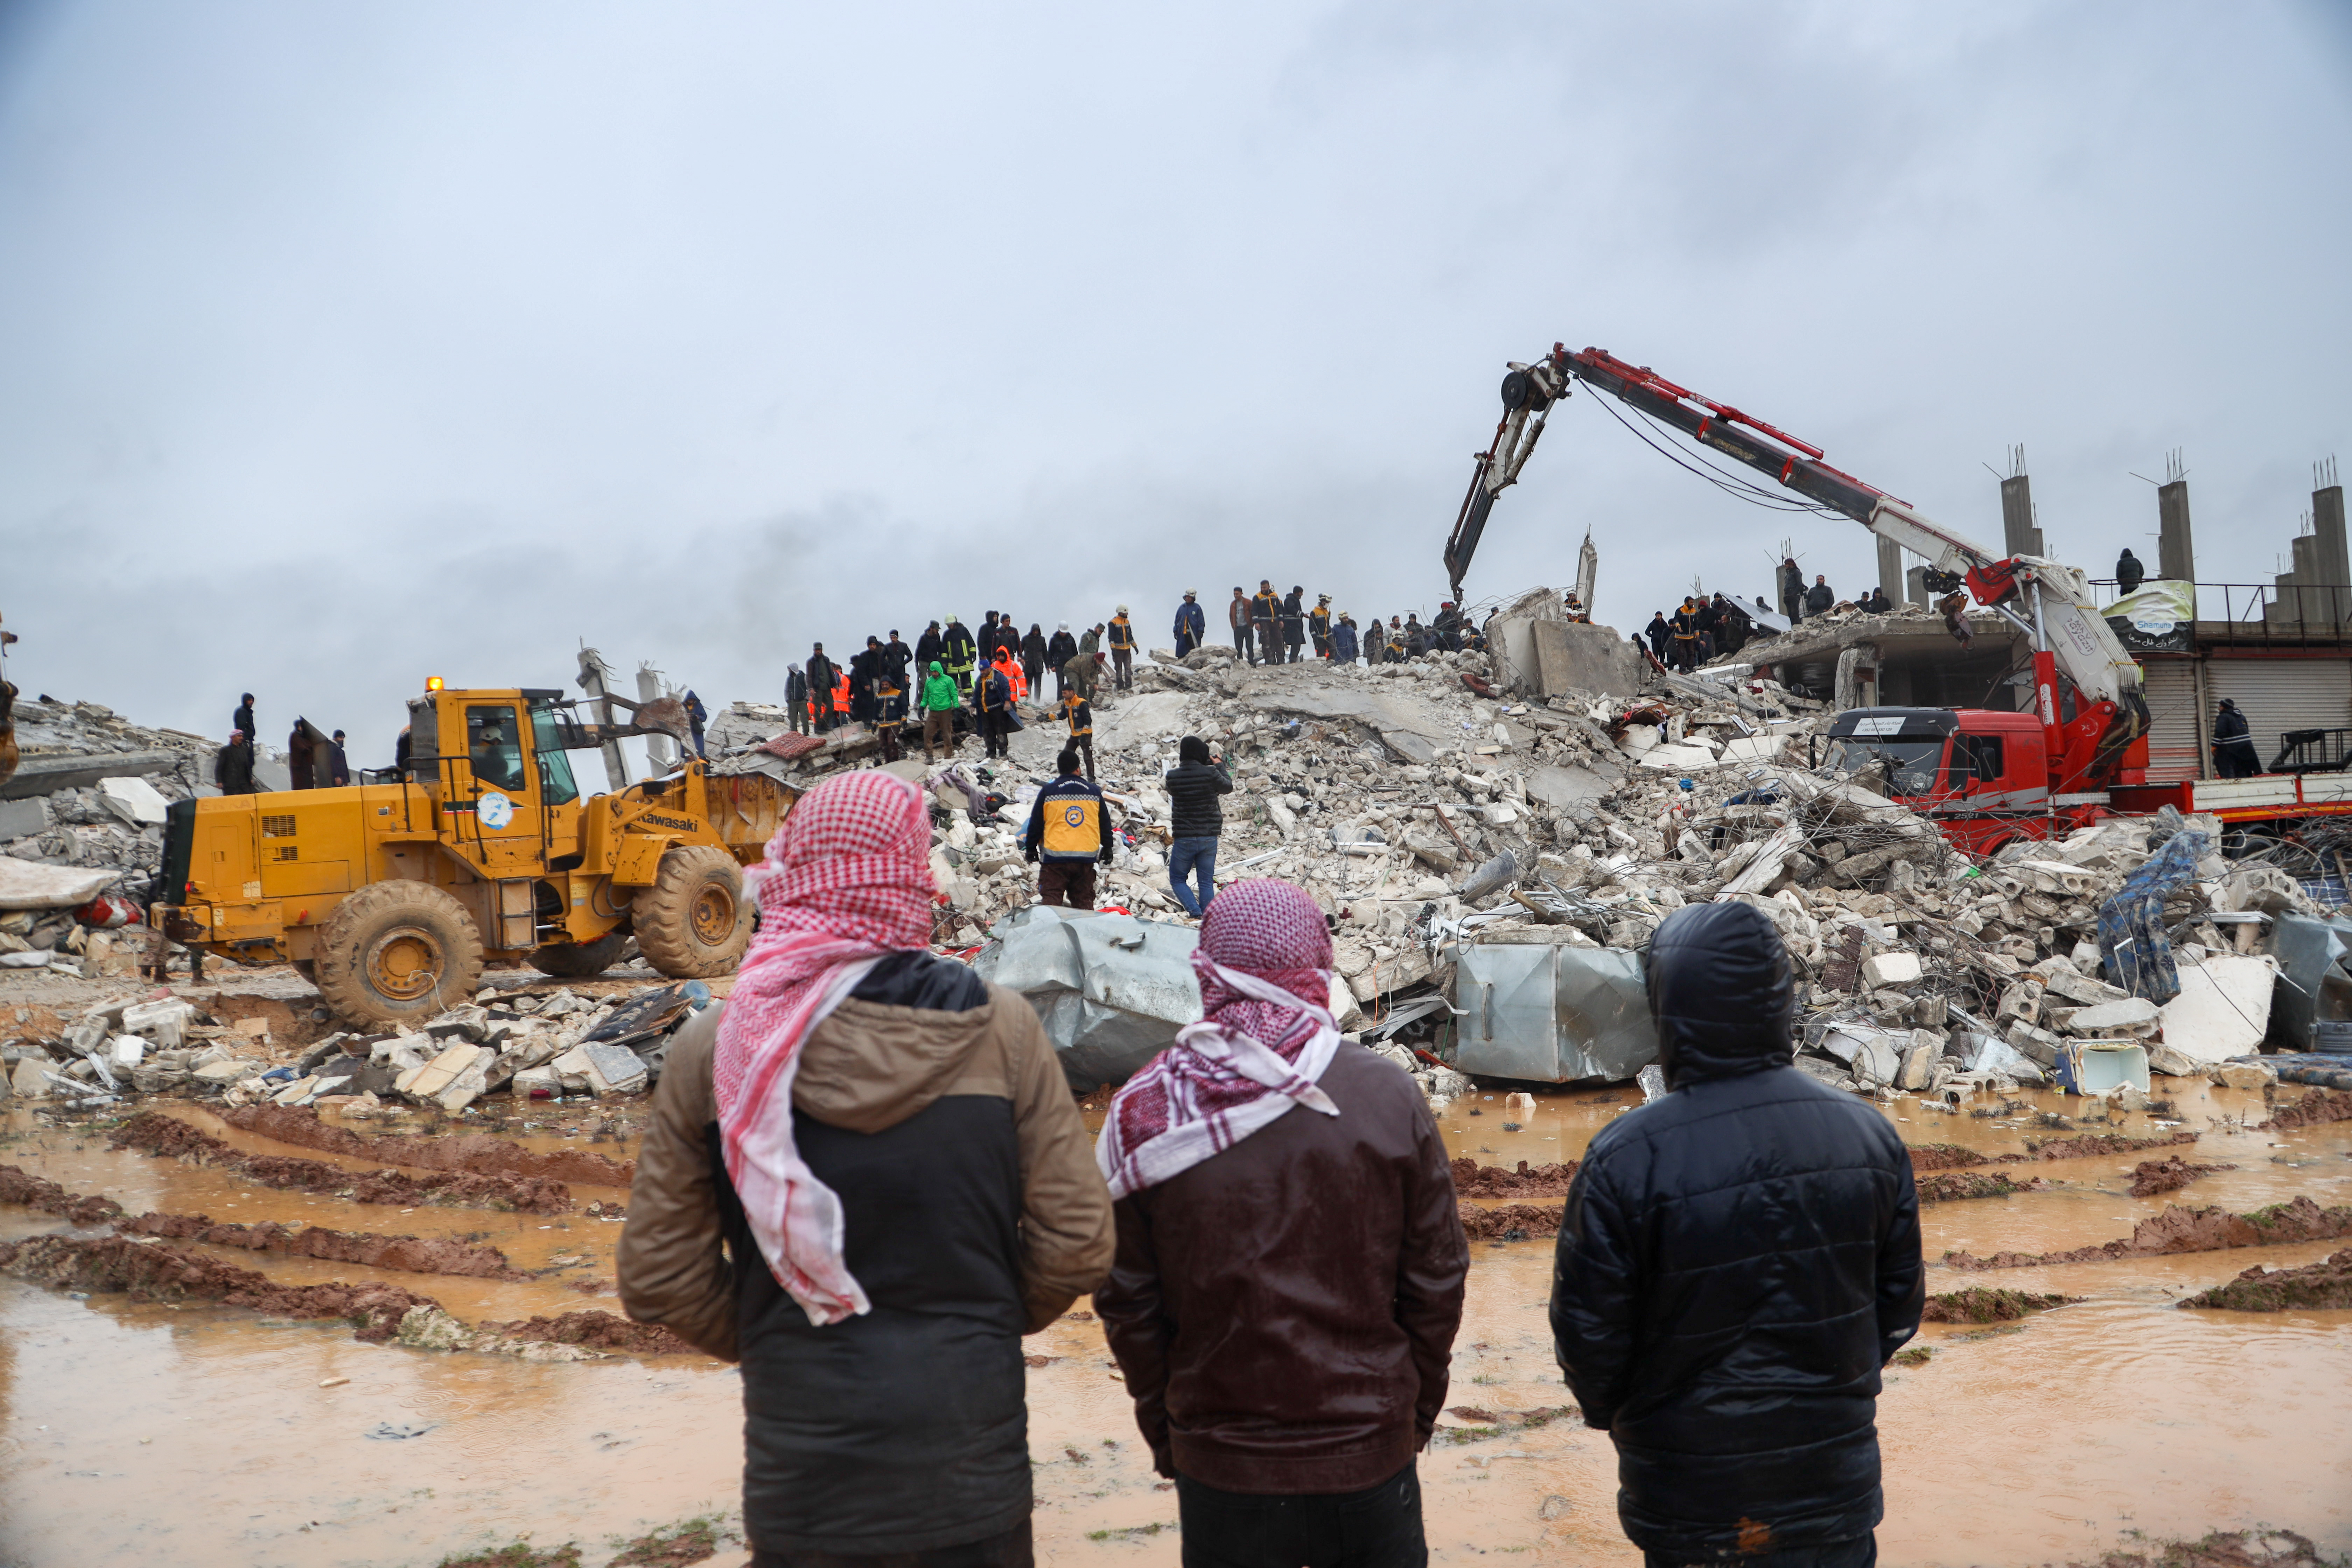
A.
pixel 2281 694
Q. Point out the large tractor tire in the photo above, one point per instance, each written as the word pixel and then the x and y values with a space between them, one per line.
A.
pixel 694 921
pixel 398 953
pixel 579 959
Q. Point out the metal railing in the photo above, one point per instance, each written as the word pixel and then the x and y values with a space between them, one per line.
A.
pixel 2259 612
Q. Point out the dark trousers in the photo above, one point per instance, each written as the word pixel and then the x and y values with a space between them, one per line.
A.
pixel 890 737
pixel 1184 644
pixel 1084 746
pixel 1269 642
pixel 1377 1527
pixel 1122 665
pixel 993 730
pixel 1862 1552
pixel 1244 644
pixel 1068 883
pixel 1010 1550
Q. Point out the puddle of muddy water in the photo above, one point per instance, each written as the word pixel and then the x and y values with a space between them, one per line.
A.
pixel 2115 1414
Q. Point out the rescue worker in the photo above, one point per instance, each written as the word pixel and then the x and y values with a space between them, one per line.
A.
pixel 1238 614
pixel 796 698
pixel 840 697
pixel 822 673
pixel 1191 623
pixel 959 653
pixel 1343 639
pixel 2129 572
pixel 1006 666
pixel 1122 649
pixel 233 764
pixel 1081 716
pixel 889 715
pixel 1821 598
pixel 1318 625
pixel 938 701
pixel 2234 756
pixel 1032 661
pixel 997 721
pixel 1060 649
pixel 1294 625
pixel 1069 833
pixel 1685 640
pixel 1265 613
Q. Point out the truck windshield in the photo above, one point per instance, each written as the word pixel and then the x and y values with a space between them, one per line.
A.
pixel 555 781
pixel 1911 764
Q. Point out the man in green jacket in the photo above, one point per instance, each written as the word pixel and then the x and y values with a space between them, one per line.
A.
pixel 939 701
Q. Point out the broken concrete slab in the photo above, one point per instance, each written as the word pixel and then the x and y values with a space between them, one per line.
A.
pixel 2225 1007
pixel 135 800
pixel 27 885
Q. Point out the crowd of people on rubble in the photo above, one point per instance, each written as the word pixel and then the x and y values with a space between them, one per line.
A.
pixel 953 681
pixel 313 761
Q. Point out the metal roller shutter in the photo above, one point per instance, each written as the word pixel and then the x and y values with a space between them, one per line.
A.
pixel 2280 694
pixel 2174 751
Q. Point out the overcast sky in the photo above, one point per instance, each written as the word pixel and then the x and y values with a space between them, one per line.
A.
pixel 348 345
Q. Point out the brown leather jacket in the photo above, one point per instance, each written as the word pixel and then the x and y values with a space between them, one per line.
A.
pixel 1285 1310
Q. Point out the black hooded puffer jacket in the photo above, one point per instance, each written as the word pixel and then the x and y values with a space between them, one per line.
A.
pixel 1736 1264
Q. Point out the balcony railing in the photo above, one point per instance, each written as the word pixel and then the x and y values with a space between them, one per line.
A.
pixel 2259 612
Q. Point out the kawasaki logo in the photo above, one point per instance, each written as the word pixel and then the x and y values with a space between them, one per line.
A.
pixel 682 825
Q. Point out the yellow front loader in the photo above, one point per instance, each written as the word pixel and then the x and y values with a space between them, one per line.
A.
pixel 393 896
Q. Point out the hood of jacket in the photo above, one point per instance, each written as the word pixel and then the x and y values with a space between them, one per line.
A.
pixel 1722 993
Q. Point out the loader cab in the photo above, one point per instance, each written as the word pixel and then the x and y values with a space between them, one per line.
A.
pixel 506 799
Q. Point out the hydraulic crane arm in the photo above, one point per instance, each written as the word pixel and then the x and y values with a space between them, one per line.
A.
pixel 2046 599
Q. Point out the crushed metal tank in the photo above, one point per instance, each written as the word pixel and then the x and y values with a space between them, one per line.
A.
pixel 1110 989
pixel 1545 1011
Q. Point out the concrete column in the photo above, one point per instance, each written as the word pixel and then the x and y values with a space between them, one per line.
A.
pixel 2019 535
pixel 1914 587
pixel 2332 565
pixel 1890 570
pixel 2176 550
pixel 659 748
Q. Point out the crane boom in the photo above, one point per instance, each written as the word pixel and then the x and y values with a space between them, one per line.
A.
pixel 2049 600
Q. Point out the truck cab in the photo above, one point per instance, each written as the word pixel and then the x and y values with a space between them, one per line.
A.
pixel 1983 776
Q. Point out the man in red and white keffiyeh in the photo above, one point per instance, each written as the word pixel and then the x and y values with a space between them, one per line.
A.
pixel 1264 966
pixel 847 880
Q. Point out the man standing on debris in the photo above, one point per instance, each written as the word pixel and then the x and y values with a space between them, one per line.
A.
pixel 959 653
pixel 1343 639
pixel 1081 716
pixel 997 722
pixel 1793 590
pixel 1736 1263
pixel 1069 832
pixel 2234 756
pixel 1032 661
pixel 1318 625
pixel 1265 616
pixel 1060 649
pixel 301 758
pixel 1191 623
pixel 1195 822
pixel 1238 613
pixel 856 1100
pixel 890 714
pixel 1122 649
pixel 243 718
pixel 1291 1260
pixel 339 764
pixel 822 673
pixel 1821 598
pixel 2128 572
pixel 1686 636
pixel 1877 603
pixel 232 765
pixel 1294 623
pixel 927 647
pixel 696 716
pixel 796 698
pixel 1446 627
pixel 896 658
pixel 939 701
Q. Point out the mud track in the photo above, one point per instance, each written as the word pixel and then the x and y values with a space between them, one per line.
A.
pixel 1473 1180
pixel 477 1153
pixel 158 1271
pixel 597 1332
pixel 2320 1105
pixel 2169 1175
pixel 1511 1222
pixel 2091 1144
pixel 2327 1283
pixel 2178 1230
pixel 152 1133
pixel 410 1253
pixel 1978 1304
pixel 1952 1186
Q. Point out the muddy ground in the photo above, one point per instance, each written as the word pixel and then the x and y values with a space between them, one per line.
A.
pixel 218 1406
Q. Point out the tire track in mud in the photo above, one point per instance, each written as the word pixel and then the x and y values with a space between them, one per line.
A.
pixel 154 1132
pixel 2177 1230
pixel 408 1254
pixel 478 1152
